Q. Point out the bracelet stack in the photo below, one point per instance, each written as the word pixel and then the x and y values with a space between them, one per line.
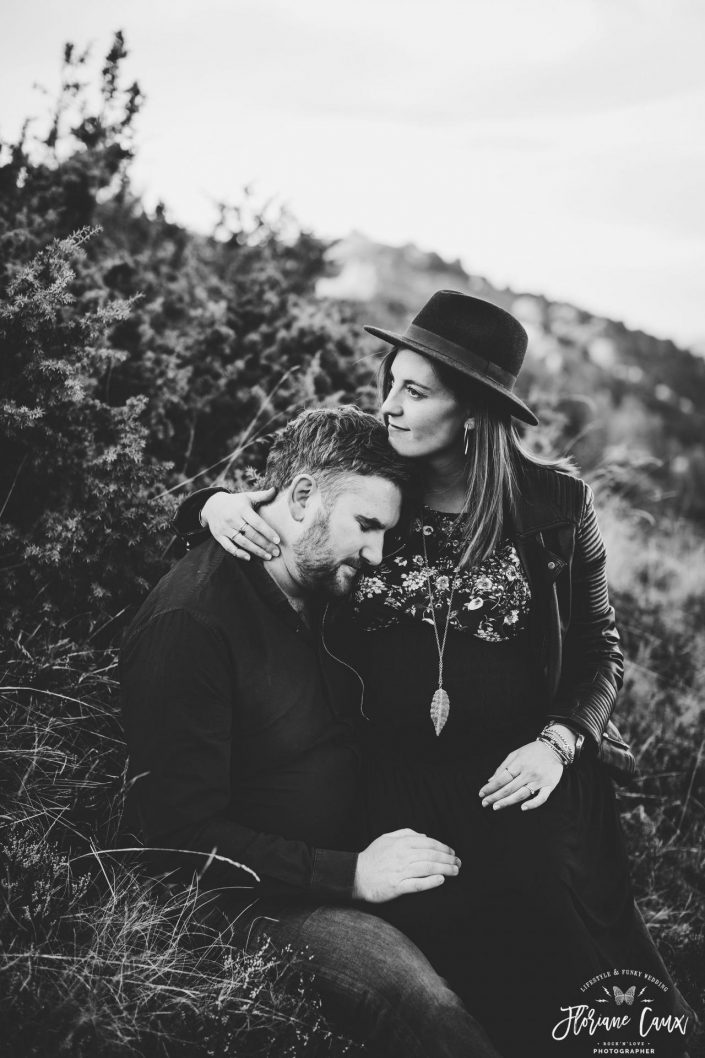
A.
pixel 558 743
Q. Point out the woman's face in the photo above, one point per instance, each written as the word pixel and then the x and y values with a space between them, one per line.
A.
pixel 423 417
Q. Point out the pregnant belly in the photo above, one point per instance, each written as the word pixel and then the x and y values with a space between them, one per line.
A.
pixel 499 849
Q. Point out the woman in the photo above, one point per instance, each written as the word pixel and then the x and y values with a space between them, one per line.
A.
pixel 491 663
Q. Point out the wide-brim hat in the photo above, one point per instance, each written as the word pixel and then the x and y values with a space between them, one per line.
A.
pixel 473 336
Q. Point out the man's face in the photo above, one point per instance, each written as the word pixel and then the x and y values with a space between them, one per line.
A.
pixel 346 536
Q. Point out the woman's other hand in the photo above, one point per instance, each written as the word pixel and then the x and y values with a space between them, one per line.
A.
pixel 534 767
pixel 234 523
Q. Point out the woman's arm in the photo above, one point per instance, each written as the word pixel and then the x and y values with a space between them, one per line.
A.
pixel 592 667
pixel 591 675
pixel 231 519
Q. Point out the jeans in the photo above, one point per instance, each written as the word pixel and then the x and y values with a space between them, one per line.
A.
pixel 375 984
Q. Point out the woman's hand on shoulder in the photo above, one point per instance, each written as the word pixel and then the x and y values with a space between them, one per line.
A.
pixel 232 521
pixel 527 777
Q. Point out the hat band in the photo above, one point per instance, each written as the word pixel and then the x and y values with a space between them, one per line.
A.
pixel 464 357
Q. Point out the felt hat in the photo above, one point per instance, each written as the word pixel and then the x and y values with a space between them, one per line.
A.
pixel 473 336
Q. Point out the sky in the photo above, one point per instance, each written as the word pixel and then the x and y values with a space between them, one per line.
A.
pixel 554 146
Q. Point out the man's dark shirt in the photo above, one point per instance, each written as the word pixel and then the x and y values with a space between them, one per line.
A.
pixel 241 730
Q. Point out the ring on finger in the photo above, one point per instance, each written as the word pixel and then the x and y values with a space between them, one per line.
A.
pixel 241 530
pixel 532 790
pixel 511 772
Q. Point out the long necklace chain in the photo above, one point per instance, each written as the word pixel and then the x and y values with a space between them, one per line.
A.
pixel 440 702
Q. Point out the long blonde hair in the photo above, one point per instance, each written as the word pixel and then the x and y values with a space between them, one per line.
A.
pixel 495 462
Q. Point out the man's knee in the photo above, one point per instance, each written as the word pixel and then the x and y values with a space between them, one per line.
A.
pixel 376 984
pixel 375 958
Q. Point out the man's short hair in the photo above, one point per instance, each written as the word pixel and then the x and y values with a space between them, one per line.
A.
pixel 330 442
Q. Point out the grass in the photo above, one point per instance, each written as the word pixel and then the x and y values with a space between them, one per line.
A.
pixel 656 571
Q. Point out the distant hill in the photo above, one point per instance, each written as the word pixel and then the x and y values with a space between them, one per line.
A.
pixel 624 395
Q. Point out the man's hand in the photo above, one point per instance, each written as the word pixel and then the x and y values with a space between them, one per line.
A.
pixel 402 862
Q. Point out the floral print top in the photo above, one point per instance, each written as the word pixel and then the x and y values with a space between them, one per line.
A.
pixel 491 600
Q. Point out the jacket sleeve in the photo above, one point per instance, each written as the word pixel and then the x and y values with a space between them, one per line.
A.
pixel 186 523
pixel 176 677
pixel 592 666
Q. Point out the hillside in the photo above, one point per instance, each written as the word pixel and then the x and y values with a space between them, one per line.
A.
pixel 625 395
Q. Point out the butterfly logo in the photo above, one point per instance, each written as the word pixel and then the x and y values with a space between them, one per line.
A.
pixel 627 997
pixel 624 997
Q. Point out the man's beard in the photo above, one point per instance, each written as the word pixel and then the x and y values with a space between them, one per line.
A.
pixel 317 569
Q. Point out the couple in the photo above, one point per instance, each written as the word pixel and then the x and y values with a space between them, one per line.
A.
pixel 421 664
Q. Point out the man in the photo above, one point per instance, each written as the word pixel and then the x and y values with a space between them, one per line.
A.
pixel 241 726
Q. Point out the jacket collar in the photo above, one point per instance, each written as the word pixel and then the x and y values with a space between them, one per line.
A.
pixel 538 508
pixel 533 517
pixel 537 513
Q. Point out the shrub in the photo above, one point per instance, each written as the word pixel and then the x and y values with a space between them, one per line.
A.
pixel 79 532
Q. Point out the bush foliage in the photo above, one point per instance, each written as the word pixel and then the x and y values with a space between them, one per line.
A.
pixel 135 355
pixel 136 358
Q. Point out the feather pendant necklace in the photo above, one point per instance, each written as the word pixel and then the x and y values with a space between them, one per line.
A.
pixel 440 702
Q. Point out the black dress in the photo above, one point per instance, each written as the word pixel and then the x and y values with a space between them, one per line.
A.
pixel 543 902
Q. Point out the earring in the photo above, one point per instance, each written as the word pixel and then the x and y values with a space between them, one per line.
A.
pixel 469 425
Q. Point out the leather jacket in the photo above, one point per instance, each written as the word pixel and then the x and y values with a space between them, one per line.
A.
pixel 575 640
